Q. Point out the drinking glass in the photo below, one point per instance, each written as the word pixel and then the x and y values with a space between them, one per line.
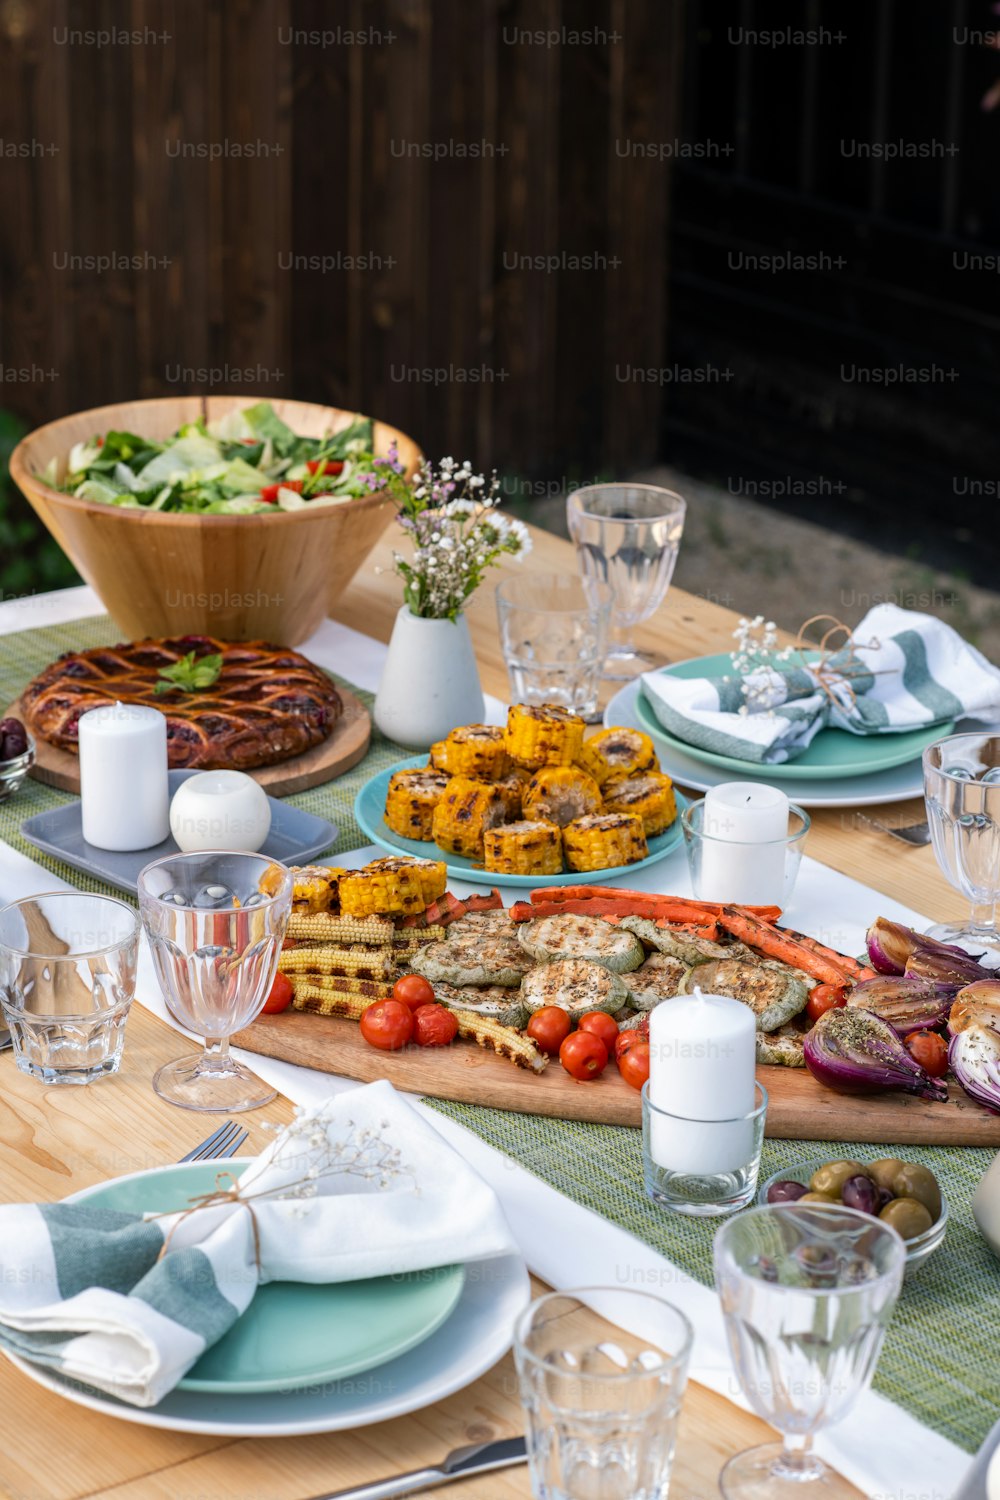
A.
pixel 628 536
pixel 67 978
pixel 215 938
pixel 962 793
pixel 554 634
pixel 807 1291
pixel 602 1372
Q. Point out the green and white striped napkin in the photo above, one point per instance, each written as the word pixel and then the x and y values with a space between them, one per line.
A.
pixel 902 670
pixel 85 1290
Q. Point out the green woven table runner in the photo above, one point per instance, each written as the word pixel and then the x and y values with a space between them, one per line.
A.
pixel 940 1360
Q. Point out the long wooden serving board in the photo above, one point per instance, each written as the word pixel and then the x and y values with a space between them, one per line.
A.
pixel 799 1108
pixel 344 748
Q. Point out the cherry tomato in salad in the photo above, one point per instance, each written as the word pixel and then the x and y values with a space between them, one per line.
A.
pixel 388 1025
pixel 434 1026
pixel 824 997
pixel 583 1055
pixel 598 1023
pixel 325 465
pixel 279 997
pixel 549 1028
pixel 930 1051
pixel 269 492
pixel 634 1065
pixel 413 990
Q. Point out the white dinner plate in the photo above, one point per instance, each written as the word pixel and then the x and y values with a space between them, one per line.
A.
pixel 896 785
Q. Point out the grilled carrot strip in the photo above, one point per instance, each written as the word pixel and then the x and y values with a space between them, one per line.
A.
pixel 603 906
pixel 843 961
pixel 642 903
pixel 774 943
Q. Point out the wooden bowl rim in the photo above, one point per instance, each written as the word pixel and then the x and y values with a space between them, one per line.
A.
pixel 359 504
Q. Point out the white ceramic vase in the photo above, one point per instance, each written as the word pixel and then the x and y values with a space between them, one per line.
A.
pixel 430 682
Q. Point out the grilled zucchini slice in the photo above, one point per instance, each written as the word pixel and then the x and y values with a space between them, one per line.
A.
pixel 781 1048
pixel 690 950
pixel 575 984
pixel 551 938
pixel 773 996
pixel 474 959
pixel 659 978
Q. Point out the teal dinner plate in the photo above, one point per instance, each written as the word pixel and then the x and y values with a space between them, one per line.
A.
pixel 294 1334
pixel 369 810
pixel 833 753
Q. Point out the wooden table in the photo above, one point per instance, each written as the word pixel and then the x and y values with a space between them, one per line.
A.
pixel 53 1141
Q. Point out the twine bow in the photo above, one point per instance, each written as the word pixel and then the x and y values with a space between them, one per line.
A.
pixel 218 1196
pixel 830 677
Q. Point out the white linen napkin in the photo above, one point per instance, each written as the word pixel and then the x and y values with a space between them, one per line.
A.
pixel 85 1290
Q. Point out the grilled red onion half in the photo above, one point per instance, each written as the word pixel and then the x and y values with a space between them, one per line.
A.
pixel 974 1049
pixel 908 1004
pixel 891 947
pixel 855 1052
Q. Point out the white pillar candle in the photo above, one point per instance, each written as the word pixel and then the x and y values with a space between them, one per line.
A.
pixel 123 776
pixel 745 825
pixel 702 1052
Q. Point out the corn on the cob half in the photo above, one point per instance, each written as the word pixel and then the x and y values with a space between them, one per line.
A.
pixel 650 796
pixel 327 1002
pixel 561 793
pixel 467 809
pixel 314 887
pixel 543 735
pixel 474 750
pixel 505 1041
pixel 529 848
pixel 601 841
pixel 411 800
pixel 511 789
pixel 394 886
pixel 323 927
pixel 617 752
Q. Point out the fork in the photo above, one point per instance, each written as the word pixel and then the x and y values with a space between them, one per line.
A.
pixel 225 1141
pixel 915 835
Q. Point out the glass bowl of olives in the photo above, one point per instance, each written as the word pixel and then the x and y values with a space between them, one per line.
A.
pixel 17 756
pixel 902 1193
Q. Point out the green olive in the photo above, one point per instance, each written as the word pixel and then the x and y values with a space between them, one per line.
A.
pixel 883 1172
pixel 914 1181
pixel 831 1176
pixel 818 1198
pixel 908 1217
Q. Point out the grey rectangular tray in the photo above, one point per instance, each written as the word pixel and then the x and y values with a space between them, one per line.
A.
pixel 295 838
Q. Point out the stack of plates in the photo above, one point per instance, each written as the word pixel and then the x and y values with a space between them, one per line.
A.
pixel 309 1358
pixel 837 770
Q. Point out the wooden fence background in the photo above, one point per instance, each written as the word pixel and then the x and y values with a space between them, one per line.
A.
pixel 113 150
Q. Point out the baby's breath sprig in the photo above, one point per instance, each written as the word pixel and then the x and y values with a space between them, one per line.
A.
pixel 755 659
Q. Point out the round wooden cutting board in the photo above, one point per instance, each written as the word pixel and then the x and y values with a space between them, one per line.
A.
pixel 344 748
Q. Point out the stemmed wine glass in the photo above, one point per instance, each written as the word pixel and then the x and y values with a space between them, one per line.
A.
pixel 215 936
pixel 627 535
pixel 962 794
pixel 807 1292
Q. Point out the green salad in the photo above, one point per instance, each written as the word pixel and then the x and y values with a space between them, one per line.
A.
pixel 246 462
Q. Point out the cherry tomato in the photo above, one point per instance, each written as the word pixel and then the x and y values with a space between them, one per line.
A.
pixel 824 997
pixel 583 1055
pixel 269 492
pixel 413 990
pixel 325 465
pixel 930 1051
pixel 549 1028
pixel 602 1025
pixel 279 997
pixel 634 1065
pixel 287 942
pixel 388 1024
pixel 434 1026
pixel 626 1041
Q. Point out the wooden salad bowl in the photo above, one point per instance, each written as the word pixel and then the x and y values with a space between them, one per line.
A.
pixel 269 577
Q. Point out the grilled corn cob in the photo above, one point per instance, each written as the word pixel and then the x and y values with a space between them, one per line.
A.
pixel 511 789
pixel 323 927
pixel 617 752
pixel 314 886
pixel 546 735
pixel 329 1002
pixel 467 809
pixel 358 962
pixel 514 1045
pixel 529 848
pixel 411 800
pixel 369 990
pixel 473 750
pixel 650 796
pixel 561 793
pixel 601 841
pixel 392 886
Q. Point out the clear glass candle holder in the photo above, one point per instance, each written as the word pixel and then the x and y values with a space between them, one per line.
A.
pixel 703 1168
pixel 602 1373
pixel 67 980
pixel 554 636
pixel 712 860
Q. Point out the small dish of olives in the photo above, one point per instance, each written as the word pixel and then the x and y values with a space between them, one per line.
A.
pixel 17 756
pixel 902 1193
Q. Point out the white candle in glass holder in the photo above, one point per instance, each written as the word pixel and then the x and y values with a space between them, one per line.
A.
pixel 702 1053
pixel 743 851
pixel 124 791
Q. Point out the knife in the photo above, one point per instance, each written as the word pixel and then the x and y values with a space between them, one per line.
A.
pixel 478 1458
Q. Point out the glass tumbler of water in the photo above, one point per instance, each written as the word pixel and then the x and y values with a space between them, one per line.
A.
pixel 962 793
pixel 67 978
pixel 807 1292
pixel 215 924
pixel 602 1372
pixel 628 536
pixel 554 635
